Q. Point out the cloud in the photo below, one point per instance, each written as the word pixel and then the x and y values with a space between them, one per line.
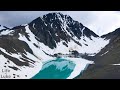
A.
pixel 106 21
pixel 14 18
pixel 101 22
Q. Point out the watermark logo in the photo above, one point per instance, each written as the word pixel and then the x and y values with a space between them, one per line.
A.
pixel 5 74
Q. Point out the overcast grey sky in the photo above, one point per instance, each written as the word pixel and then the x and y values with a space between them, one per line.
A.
pixel 101 22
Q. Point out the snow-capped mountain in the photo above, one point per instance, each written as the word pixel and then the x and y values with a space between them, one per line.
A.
pixel 61 34
pixel 24 48
pixel 3 27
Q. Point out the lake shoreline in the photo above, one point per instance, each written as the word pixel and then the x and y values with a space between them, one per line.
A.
pixel 59 68
pixel 80 66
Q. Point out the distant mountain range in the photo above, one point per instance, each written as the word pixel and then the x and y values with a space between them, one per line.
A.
pixel 23 48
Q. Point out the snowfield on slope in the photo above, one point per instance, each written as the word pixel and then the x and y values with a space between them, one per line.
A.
pixel 93 46
pixel 23 72
pixel 81 64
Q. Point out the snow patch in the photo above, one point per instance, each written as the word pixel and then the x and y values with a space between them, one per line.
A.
pixel 37 51
pixel 22 72
pixel 34 25
pixel 6 32
pixel 104 53
pixel 24 24
pixel 115 64
pixel 1 27
pixel 80 66
pixel 93 46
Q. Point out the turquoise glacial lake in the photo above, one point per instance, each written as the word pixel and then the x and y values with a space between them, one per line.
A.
pixel 56 69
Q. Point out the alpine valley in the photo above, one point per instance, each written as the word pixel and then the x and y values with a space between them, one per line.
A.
pixel 55 46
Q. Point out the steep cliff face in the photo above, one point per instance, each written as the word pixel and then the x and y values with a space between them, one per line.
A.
pixel 107 61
